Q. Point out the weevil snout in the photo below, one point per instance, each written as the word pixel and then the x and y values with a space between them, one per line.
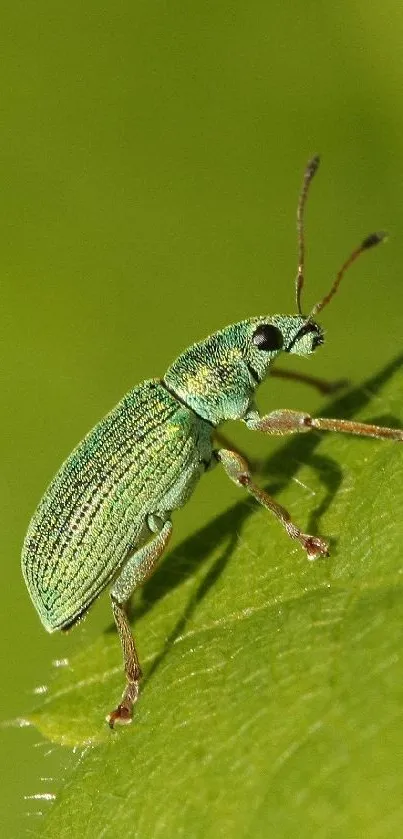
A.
pixel 307 337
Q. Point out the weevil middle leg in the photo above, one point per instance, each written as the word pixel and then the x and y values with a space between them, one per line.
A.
pixel 291 422
pixel 136 570
pixel 237 469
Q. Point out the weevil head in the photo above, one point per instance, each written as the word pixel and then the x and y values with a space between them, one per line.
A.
pixel 217 377
pixel 281 333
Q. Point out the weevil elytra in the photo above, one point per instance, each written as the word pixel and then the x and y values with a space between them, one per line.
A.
pixel 106 516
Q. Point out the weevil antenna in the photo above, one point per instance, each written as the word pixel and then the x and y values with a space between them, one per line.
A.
pixel 310 171
pixel 369 242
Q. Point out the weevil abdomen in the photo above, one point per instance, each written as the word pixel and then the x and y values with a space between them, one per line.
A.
pixel 143 458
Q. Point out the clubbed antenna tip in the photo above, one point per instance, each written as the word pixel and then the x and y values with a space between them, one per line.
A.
pixel 369 242
pixel 312 166
pixel 309 173
pixel 374 239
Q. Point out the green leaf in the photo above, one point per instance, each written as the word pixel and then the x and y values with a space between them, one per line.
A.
pixel 272 701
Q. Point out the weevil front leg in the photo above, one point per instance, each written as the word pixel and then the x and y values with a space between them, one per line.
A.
pixel 138 567
pixel 237 469
pixel 294 422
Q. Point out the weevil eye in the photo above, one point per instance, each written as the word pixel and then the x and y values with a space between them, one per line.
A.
pixel 267 337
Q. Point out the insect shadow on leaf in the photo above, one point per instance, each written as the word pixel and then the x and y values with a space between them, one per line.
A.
pixel 282 466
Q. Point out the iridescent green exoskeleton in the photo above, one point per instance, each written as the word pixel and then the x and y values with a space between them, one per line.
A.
pixel 106 516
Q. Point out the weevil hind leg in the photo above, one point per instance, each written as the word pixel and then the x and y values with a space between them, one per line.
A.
pixel 124 711
pixel 237 469
pixel 137 569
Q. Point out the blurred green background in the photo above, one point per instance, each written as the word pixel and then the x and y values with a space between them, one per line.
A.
pixel 151 157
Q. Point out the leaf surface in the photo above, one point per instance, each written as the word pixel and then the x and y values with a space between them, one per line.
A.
pixel 272 699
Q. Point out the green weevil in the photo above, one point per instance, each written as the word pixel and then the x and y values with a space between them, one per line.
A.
pixel 106 516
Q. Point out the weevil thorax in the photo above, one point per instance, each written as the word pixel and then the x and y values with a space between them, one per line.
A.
pixel 217 377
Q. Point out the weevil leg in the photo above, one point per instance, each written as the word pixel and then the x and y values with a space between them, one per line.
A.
pixel 293 422
pixel 224 442
pixel 137 569
pixel 237 469
pixel 322 385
